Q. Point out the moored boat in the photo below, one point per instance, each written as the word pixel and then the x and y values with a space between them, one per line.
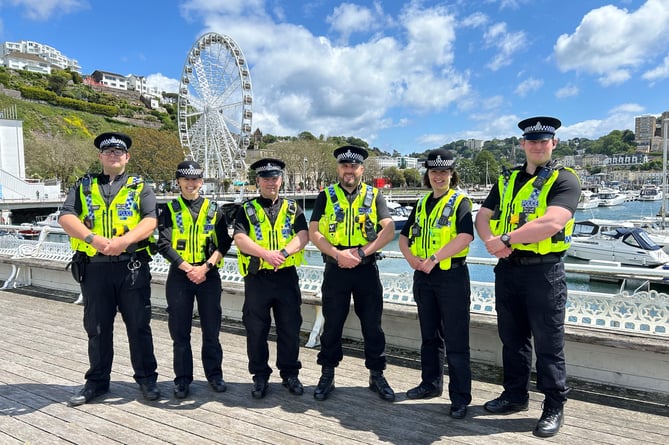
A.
pixel 615 241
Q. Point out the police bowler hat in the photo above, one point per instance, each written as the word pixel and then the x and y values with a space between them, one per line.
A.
pixel 440 159
pixel 113 140
pixel 268 167
pixel 539 127
pixel 188 169
pixel 350 154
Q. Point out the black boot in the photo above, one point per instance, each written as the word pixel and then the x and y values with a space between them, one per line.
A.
pixel 379 384
pixel 325 384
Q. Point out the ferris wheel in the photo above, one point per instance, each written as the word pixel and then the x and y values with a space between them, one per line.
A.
pixel 214 115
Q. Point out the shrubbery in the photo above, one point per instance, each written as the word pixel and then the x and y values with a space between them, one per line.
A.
pixel 75 104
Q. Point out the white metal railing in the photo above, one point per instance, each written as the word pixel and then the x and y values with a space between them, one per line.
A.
pixel 641 312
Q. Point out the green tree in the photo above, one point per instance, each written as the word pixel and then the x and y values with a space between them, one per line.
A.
pixel 395 176
pixel 58 80
pixel 59 156
pixel 487 166
pixel 154 153
pixel 413 177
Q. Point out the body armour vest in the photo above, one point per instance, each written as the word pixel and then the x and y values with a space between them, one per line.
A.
pixel 270 237
pixel 122 215
pixel 529 204
pixel 349 224
pixel 195 241
pixel 429 233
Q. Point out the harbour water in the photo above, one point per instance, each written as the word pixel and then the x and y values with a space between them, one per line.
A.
pixel 625 211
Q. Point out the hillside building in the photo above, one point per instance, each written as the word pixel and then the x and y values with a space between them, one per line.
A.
pixel 36 57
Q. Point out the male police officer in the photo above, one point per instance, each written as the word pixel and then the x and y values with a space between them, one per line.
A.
pixel 527 221
pixel 343 227
pixel 110 218
pixel 270 235
pixel 193 237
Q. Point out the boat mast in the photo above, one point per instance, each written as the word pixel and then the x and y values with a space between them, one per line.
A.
pixel 663 210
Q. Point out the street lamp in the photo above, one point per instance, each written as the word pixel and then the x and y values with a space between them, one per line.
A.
pixel 304 184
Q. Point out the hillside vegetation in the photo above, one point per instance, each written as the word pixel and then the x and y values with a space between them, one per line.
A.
pixel 58 138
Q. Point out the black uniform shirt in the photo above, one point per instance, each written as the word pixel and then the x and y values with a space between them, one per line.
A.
pixel 463 217
pixel 73 205
pixel 272 211
pixel 165 227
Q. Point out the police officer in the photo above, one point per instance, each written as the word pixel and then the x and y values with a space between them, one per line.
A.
pixel 193 237
pixel 110 218
pixel 435 242
pixel 270 235
pixel 343 227
pixel 527 221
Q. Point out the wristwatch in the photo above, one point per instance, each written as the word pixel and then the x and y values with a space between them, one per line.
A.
pixel 284 252
pixel 361 253
pixel 89 238
pixel 506 239
pixel 209 265
pixel 433 258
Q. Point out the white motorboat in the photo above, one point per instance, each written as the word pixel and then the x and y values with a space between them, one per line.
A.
pixel 588 200
pixel 610 197
pixel 615 241
pixel 399 214
pixel 50 220
pixel 650 192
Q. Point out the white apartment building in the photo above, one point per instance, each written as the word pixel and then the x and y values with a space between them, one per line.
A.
pixel 11 52
pixel 399 162
pixel 138 83
pixel 111 80
pixel 26 62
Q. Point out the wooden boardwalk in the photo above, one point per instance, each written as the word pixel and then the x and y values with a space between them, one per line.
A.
pixel 43 359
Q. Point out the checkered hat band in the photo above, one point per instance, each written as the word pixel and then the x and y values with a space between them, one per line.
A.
pixel 113 142
pixel 538 128
pixel 190 171
pixel 434 163
pixel 268 168
pixel 350 156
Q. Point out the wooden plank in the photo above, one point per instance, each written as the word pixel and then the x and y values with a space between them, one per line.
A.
pixel 43 346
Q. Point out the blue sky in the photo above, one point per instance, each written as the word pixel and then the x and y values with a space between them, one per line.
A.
pixel 405 76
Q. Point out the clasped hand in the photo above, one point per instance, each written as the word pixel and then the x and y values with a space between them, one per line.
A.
pixel 274 258
pixel 496 247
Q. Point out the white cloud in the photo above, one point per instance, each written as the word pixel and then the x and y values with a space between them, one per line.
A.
pixel 348 18
pixel 306 82
pixel 659 72
pixel 619 118
pixel 507 43
pixel 163 83
pixel 611 42
pixel 528 86
pixel 475 20
pixel 615 77
pixel 568 90
pixel 42 10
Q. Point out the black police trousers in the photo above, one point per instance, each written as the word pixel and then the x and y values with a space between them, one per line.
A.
pixel 364 284
pixel 443 300
pixel 278 292
pixel 109 287
pixel 181 294
pixel 530 302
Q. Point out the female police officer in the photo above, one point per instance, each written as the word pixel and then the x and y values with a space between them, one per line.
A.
pixel 193 237
pixel 435 242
